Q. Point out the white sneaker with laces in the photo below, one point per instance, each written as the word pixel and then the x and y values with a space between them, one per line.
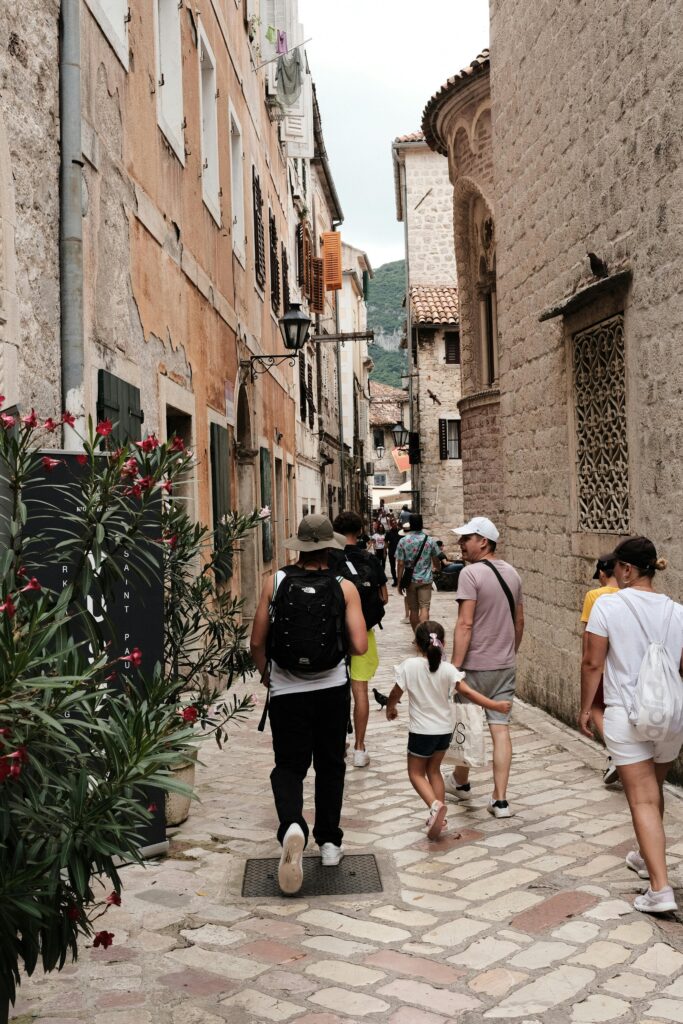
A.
pixel 499 808
pixel 290 872
pixel 656 902
pixel 361 759
pixel 635 862
pixel 406 619
pixel 331 854
pixel 610 774
pixel 453 789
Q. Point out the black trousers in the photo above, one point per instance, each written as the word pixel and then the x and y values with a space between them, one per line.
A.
pixel 392 564
pixel 310 727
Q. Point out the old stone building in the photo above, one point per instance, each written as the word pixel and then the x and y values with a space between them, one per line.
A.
pixel 424 203
pixel 355 366
pixel 392 477
pixel 572 369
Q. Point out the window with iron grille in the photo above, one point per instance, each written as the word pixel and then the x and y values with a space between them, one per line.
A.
pixel 449 439
pixel 274 264
pixel 259 239
pixel 600 412
pixel 303 389
pixel 452 339
pixel 311 403
pixel 286 298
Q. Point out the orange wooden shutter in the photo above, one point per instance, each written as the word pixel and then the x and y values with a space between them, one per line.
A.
pixel 332 257
pixel 317 285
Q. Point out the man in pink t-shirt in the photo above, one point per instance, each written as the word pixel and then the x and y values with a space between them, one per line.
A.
pixel 487 635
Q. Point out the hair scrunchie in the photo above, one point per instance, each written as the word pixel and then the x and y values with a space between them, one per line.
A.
pixel 435 640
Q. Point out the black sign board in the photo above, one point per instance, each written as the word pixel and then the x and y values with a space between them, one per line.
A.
pixel 134 612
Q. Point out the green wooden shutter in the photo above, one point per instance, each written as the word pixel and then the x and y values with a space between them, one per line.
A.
pixel 443 439
pixel 220 489
pixel 266 499
pixel 119 401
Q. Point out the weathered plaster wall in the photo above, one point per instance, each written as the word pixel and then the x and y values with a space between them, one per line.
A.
pixel 29 203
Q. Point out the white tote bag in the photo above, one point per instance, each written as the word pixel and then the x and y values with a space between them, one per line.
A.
pixel 656 711
pixel 468 742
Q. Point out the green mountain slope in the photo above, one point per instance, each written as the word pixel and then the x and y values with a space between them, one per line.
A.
pixel 385 298
pixel 388 365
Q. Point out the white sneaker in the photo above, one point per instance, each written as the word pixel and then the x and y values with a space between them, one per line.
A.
pixel 361 759
pixel 406 619
pixel 499 808
pixel 331 854
pixel 635 862
pixel 610 774
pixel 453 789
pixel 656 902
pixel 290 872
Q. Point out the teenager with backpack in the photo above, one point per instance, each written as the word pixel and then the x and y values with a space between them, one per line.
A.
pixel 308 622
pixel 366 573
pixel 634 642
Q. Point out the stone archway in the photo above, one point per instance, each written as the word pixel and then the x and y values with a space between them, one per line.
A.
pixel 246 502
pixel 9 328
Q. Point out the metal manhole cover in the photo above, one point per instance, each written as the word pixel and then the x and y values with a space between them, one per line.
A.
pixel 355 874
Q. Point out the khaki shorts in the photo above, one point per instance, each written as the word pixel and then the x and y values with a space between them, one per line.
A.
pixel 418 595
pixel 496 684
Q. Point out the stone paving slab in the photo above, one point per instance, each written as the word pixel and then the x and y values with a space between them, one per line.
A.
pixel 527 919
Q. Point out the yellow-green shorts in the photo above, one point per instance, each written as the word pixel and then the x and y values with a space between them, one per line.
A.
pixel 364 666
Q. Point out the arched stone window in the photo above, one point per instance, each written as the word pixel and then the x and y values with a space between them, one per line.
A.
pixel 484 252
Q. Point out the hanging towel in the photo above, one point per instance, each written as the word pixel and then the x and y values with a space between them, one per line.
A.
pixel 281 45
pixel 271 34
pixel 289 78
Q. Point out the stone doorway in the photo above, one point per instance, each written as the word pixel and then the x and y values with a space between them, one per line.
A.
pixel 246 502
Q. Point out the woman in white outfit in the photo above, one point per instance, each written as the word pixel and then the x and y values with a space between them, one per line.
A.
pixel 618 633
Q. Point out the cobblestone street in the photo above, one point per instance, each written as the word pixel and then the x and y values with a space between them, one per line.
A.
pixel 527 919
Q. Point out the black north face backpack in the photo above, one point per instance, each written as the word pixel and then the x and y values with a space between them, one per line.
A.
pixel 307 621
pixel 360 567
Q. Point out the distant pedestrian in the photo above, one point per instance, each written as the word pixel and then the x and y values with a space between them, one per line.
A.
pixel 430 684
pixel 607 584
pixel 379 544
pixel 307 622
pixel 404 515
pixel 447 564
pixel 488 633
pixel 366 573
pixel 416 556
pixel 392 538
pixel 627 633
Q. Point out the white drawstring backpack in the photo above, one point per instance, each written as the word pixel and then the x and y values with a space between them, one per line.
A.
pixel 656 711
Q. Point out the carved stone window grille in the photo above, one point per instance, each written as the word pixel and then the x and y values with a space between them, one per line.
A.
pixel 601 444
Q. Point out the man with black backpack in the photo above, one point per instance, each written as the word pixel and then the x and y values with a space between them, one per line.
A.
pixel 366 573
pixel 308 622
pixel 488 633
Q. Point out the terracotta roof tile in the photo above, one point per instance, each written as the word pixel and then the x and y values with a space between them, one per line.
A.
pixel 411 137
pixel 479 65
pixel 385 403
pixel 434 305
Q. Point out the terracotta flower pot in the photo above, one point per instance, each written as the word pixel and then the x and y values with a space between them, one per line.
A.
pixel 177 804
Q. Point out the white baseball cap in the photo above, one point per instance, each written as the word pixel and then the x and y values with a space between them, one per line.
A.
pixel 481 525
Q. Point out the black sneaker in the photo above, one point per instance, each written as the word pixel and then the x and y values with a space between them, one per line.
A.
pixel 610 774
pixel 499 808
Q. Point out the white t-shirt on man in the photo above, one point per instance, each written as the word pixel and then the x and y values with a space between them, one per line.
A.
pixel 627 643
pixel 430 711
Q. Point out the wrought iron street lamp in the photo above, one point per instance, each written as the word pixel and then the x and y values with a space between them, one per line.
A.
pixel 401 435
pixel 294 327
pixel 380 451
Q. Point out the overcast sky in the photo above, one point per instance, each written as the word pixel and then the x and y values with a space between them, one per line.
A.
pixel 376 63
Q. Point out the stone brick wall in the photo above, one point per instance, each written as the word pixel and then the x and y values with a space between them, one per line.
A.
pixel 481 458
pixel 29 228
pixel 441 495
pixel 587 147
pixel 430 224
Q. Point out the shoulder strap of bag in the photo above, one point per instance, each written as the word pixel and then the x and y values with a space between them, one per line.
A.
pixel 633 612
pixel 422 547
pixel 506 589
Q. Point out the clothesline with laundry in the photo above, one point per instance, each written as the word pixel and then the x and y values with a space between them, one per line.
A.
pixel 278 54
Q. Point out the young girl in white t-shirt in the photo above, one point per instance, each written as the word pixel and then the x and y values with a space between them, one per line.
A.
pixel 430 682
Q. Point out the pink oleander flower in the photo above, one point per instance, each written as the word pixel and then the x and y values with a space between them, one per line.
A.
pixel 50 424
pixel 113 899
pixel 130 468
pixel 8 607
pixel 149 444
pixel 32 584
pixel 50 464
pixel 31 420
pixel 104 428
pixel 69 419
pixel 189 715
pixel 7 421
pixel 177 444
pixel 135 657
pixel 82 459
pixel 264 513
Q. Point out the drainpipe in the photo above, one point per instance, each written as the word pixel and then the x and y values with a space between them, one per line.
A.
pixel 71 221
pixel 340 398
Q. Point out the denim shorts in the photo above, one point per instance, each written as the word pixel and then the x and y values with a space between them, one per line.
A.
pixel 422 745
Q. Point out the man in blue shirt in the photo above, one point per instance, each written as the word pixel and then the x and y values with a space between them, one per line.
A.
pixel 420 551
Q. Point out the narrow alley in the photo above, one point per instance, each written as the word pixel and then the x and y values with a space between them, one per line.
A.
pixel 527 919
